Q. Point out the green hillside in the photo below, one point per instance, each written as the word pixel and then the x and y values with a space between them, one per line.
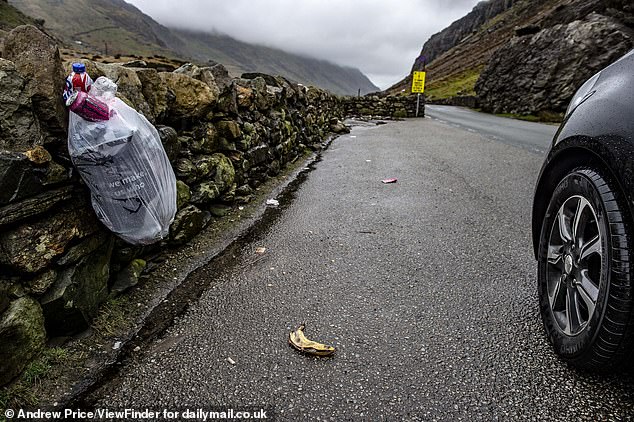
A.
pixel 115 27
pixel 10 17
pixel 243 57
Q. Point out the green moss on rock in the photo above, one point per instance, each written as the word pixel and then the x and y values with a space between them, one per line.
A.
pixel 183 194
pixel 188 223
pixel 22 336
pixel 128 277
pixel 74 299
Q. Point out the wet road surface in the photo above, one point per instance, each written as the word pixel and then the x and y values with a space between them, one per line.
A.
pixel 426 287
pixel 535 137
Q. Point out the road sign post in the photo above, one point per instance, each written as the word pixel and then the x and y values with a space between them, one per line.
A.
pixel 417 103
pixel 418 87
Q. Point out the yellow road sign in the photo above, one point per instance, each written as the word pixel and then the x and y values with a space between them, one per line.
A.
pixel 418 82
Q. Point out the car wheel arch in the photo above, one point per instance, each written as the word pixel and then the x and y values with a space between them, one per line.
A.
pixel 562 162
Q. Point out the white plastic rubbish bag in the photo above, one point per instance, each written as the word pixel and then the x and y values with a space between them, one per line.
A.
pixel 123 162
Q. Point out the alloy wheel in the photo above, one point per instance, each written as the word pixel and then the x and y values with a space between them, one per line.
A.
pixel 574 267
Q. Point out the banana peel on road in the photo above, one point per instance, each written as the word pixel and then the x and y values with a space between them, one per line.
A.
pixel 298 340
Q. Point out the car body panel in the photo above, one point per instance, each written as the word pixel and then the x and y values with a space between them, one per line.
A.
pixel 597 132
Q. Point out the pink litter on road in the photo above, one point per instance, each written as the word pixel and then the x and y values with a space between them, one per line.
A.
pixel 392 180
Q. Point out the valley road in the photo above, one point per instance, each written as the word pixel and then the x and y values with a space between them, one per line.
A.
pixel 426 287
pixel 535 137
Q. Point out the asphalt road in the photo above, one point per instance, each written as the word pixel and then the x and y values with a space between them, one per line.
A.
pixel 535 137
pixel 426 287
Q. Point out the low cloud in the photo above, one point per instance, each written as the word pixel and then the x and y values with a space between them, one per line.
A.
pixel 382 38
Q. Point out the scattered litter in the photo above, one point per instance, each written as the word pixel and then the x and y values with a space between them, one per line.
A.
pixel 392 180
pixel 269 285
pixel 352 136
pixel 137 349
pixel 240 208
pixel 260 250
pixel 117 345
pixel 368 161
pixel 298 340
pixel 272 202
pixel 231 361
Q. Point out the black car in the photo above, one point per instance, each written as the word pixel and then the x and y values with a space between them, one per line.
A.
pixel 583 224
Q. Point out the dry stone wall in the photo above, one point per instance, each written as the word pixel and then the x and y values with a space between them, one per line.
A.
pixel 393 106
pixel 223 137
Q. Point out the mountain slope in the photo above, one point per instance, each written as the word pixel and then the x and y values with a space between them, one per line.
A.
pixel 10 17
pixel 116 27
pixel 114 24
pixel 524 56
pixel 457 54
pixel 245 57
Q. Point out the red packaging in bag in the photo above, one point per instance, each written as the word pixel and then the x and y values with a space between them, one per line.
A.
pixel 89 107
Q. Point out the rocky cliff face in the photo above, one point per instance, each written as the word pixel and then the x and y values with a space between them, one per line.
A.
pixel 449 37
pixel 539 73
pixel 522 56
pixel 456 56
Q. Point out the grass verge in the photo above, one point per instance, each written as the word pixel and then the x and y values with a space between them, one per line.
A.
pixel 21 393
pixel 541 117
pixel 111 320
pixel 459 84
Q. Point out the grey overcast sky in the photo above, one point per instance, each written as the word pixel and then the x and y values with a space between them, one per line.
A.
pixel 380 37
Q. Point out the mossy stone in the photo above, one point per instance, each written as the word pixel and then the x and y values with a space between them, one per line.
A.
pixel 183 194
pixel 22 336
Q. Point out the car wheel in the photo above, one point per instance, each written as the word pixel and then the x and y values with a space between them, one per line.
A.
pixel 584 278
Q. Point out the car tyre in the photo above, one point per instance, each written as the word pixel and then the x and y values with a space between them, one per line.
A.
pixel 584 275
